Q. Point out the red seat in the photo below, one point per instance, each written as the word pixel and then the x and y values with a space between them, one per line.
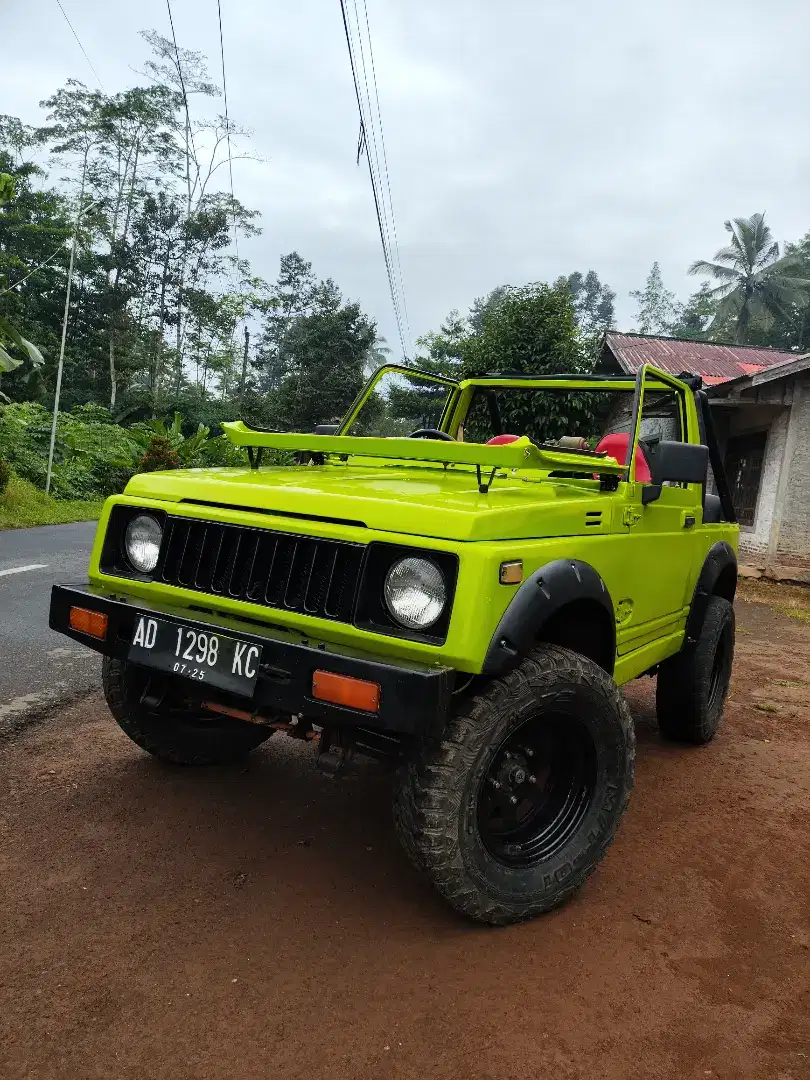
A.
pixel 616 444
pixel 501 440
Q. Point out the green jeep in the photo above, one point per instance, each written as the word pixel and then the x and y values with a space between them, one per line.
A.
pixel 462 600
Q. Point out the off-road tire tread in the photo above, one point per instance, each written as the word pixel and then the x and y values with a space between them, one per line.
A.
pixel 684 680
pixel 428 795
pixel 227 744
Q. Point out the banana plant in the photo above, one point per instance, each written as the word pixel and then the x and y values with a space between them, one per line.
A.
pixel 9 335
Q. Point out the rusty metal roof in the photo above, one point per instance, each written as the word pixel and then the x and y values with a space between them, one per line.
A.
pixel 716 363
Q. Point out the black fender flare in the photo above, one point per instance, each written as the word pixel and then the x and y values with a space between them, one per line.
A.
pixel 720 557
pixel 541 595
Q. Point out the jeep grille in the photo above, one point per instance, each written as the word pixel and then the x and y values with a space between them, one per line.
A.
pixel 298 573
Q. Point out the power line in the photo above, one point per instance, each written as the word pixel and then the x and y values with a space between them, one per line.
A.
pixel 363 143
pixel 189 132
pixel 379 204
pixel 87 58
pixel 50 258
pixel 370 124
pixel 227 128
pixel 387 177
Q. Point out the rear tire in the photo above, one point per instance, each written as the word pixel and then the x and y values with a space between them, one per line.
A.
pixel 179 734
pixel 693 684
pixel 555 736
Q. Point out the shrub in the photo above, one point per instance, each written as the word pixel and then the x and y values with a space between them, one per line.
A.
pixel 5 475
pixel 221 451
pixel 92 456
pixel 159 455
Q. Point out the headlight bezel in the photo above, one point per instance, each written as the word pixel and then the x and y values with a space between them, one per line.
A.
pixel 371 612
pixel 113 560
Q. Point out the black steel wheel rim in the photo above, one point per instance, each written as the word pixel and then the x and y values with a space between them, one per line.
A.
pixel 537 790
pixel 721 667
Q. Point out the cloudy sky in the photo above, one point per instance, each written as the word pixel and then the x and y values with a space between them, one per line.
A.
pixel 526 138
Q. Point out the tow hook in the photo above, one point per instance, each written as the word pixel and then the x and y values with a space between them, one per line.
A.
pixel 333 754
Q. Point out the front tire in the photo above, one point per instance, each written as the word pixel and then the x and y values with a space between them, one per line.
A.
pixel 175 731
pixel 693 684
pixel 516 806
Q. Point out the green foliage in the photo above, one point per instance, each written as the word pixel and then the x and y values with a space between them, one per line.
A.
pixel 527 331
pixel 593 304
pixel 187 449
pixel 696 315
pixel 92 457
pixel 325 355
pixel 532 331
pixel 657 309
pixel 159 455
pixel 221 453
pixel 755 283
pixel 5 475
pixel 6 187
pixel 10 337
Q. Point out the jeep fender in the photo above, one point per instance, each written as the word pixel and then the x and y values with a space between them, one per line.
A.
pixel 720 563
pixel 539 597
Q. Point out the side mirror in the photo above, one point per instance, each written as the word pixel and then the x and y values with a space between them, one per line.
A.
pixel 683 463
pixel 325 429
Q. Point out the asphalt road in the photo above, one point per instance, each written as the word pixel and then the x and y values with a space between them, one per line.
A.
pixel 37 666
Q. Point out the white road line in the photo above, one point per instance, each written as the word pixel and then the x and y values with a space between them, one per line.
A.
pixel 22 569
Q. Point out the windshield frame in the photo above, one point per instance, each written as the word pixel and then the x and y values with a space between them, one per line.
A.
pixel 411 373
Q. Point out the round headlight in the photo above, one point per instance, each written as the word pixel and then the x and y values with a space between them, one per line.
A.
pixel 142 542
pixel 415 593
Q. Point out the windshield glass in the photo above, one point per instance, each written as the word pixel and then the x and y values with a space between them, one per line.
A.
pixel 399 405
pixel 546 415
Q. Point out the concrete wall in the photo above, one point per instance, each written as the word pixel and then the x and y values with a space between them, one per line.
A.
pixel 747 419
pixel 793 534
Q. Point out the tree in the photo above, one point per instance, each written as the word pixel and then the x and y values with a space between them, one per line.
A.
pixel 755 282
pixel 378 355
pixel 326 351
pixel 593 303
pixel 290 298
pixel 531 331
pixel 13 346
pixel 657 309
pixel 694 317
pixel 484 305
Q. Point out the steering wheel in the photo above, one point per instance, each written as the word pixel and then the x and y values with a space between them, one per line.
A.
pixel 430 433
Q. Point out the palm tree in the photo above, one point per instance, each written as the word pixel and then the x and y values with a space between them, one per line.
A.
pixel 376 356
pixel 754 279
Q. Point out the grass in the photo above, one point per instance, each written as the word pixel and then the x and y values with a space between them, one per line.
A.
pixel 792 600
pixel 23 505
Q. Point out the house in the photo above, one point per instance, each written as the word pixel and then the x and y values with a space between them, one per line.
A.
pixel 760 402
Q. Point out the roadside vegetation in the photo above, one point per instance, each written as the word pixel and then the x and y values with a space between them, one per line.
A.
pixel 23 505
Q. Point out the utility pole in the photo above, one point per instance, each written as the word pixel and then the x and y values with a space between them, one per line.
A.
pixel 61 366
pixel 244 372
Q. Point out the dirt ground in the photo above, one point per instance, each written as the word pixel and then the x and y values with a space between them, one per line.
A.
pixel 159 922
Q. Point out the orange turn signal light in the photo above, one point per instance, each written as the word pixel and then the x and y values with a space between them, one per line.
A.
pixel 93 623
pixel 343 690
pixel 511 573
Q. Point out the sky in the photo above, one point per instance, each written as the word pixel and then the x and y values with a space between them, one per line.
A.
pixel 525 138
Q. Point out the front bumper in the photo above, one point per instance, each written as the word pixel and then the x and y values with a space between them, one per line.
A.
pixel 414 698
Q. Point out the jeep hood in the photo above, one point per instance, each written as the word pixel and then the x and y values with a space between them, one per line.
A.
pixel 420 500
